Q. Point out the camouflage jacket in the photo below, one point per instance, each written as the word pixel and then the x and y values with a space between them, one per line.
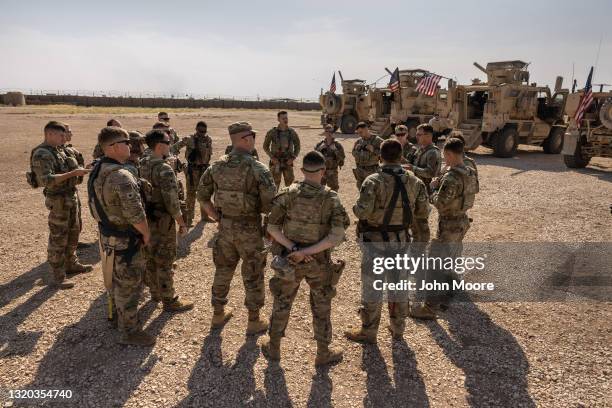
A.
pixel 282 144
pixel 308 213
pixel 165 194
pixel 48 161
pixel 426 163
pixel 78 156
pixel 408 152
pixel 198 148
pixel 455 194
pixel 118 190
pixel 334 154
pixel 375 197
pixel 363 157
pixel 241 185
pixel 254 153
pixel 97 152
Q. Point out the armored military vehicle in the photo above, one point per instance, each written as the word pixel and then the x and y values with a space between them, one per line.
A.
pixel 405 106
pixel 593 136
pixel 345 110
pixel 505 111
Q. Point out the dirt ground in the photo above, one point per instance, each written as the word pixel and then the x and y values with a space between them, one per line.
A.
pixel 478 354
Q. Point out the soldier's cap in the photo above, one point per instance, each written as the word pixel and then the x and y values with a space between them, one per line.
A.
pixel 136 135
pixel 401 129
pixel 240 127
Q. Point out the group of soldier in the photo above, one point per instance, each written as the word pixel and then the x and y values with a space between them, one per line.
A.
pixel 137 200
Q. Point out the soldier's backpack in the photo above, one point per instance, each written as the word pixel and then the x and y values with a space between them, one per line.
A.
pixel 31 175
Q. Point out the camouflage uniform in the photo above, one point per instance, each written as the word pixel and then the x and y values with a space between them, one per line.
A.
pixel 97 152
pixel 334 158
pixel 78 156
pixel 163 207
pixel 306 213
pixel 426 163
pixel 243 189
pixel 254 153
pixel 408 152
pixel 282 145
pixel 62 201
pixel 366 161
pixel 118 193
pixel 452 199
pixel 371 207
pixel 198 152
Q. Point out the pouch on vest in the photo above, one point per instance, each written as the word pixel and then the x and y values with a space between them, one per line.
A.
pixel 303 223
pixel 231 197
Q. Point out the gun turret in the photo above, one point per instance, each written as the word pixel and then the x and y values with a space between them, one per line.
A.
pixel 477 65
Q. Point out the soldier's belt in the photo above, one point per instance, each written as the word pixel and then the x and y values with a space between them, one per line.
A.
pixel 363 226
pixel 452 217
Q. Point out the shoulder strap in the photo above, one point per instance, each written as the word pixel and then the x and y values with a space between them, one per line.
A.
pixel 407 214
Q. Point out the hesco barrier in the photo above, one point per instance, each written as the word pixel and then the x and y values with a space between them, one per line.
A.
pixel 81 100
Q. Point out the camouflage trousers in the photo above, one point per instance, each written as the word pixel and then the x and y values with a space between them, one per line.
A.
pixel 64 229
pixel 240 238
pixel 193 176
pixel 370 310
pixel 361 172
pixel 318 275
pixel 330 179
pixel 284 170
pixel 447 244
pixel 161 254
pixel 127 276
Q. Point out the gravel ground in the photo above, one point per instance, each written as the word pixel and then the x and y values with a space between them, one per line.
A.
pixel 479 354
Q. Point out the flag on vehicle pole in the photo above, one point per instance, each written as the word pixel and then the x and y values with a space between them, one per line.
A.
pixel 332 87
pixel 394 82
pixel 428 84
pixel 586 99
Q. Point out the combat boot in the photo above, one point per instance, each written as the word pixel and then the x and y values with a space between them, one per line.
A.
pixel 357 335
pixel 220 317
pixel 176 305
pixel 62 285
pixel 78 267
pixel 396 333
pixel 256 325
pixel 137 338
pixel 327 355
pixel 270 348
pixel 422 311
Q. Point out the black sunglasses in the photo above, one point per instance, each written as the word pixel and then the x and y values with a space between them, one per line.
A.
pixel 166 142
pixel 127 142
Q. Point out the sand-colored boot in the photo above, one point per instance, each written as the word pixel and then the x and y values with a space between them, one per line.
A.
pixel 256 324
pixel 137 338
pixel 327 355
pixel 422 311
pixel 177 305
pixel 396 333
pixel 220 317
pixel 270 348
pixel 357 335
pixel 78 267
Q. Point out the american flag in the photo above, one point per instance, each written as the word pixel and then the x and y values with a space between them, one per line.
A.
pixel 394 82
pixel 332 87
pixel 586 99
pixel 428 84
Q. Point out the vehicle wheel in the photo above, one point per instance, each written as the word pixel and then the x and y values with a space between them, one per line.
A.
pixel 349 122
pixel 505 143
pixel 576 160
pixel 553 144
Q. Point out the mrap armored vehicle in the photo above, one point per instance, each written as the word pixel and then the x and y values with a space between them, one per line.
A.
pixel 592 137
pixel 505 111
pixel 405 106
pixel 345 110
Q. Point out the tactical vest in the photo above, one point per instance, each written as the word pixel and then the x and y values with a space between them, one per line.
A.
pixel 371 158
pixel 63 164
pixel 153 195
pixel 202 150
pixel 233 195
pixel 282 145
pixel 304 221
pixel 420 153
pixel 470 189
pixel 330 157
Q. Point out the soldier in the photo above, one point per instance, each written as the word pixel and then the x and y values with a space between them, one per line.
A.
pixel 391 203
pixel 426 161
pixel 243 189
pixel 467 160
pixel 306 221
pixel 59 173
pixel 282 145
pixel 164 118
pixel 366 152
pixel 198 153
pixel 136 149
pixel 173 160
pixel 71 151
pixel 408 149
pixel 334 157
pixel 254 153
pixel 163 210
pixel 97 153
pixel 452 196
pixel 115 202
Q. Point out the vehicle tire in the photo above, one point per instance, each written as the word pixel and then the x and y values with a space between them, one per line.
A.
pixel 576 160
pixel 332 103
pixel 505 143
pixel 348 124
pixel 553 144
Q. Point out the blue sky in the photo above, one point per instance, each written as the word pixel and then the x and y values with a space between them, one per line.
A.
pixel 274 48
